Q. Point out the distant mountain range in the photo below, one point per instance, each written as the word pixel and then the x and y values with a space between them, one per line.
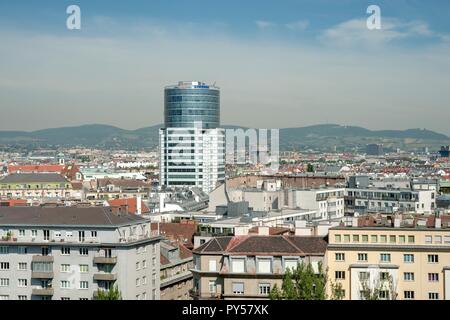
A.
pixel 319 137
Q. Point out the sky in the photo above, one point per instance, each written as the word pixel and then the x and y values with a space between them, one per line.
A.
pixel 279 63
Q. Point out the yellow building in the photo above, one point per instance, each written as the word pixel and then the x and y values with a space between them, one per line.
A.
pixel 413 253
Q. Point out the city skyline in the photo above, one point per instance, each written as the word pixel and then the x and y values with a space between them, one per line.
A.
pixel 303 62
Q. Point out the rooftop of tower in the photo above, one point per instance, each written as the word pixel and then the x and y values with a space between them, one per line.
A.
pixel 192 85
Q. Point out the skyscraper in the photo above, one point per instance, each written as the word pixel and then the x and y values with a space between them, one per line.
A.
pixel 192 144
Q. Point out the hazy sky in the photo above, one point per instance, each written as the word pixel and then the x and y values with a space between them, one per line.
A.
pixel 279 63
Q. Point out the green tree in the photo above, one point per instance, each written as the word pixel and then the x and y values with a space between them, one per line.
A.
pixel 337 293
pixel 112 294
pixel 309 168
pixel 302 283
pixel 381 289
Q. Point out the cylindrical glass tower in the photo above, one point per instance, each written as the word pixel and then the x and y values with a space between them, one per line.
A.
pixel 191 102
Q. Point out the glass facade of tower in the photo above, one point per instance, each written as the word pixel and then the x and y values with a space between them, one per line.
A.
pixel 191 102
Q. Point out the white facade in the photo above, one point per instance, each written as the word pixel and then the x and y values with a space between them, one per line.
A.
pixel 329 203
pixel 192 157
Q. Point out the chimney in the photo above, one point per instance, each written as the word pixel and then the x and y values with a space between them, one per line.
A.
pixel 437 223
pixel 138 205
pixel 355 222
pixel 397 221
pixel 263 231
pixel 161 201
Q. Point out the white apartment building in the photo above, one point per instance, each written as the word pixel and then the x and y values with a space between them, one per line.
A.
pixel 69 253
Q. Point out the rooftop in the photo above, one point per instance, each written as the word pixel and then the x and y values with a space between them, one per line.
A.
pixel 66 216
pixel 33 177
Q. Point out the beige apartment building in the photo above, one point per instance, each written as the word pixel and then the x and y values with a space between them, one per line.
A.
pixel 414 253
pixel 247 267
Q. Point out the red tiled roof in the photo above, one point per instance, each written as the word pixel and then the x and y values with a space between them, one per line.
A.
pixel 36 168
pixel 131 203
pixel 184 252
pixel 13 202
pixel 180 232
pixel 163 260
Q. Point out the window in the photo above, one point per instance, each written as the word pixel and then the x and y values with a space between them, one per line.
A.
pixel 65 267
pixel 337 238
pixel 138 265
pixel 383 239
pixel 33 233
pixel 144 280
pixel 264 265
pixel 22 266
pixel 238 265
pixel 408 276
pixel 428 239
pixel 212 286
pixel 433 295
pixel 212 265
pixel 346 238
pixel 65 251
pixel 364 276
pixel 433 277
pixel 355 238
pixel 4 297
pixel 433 258
pixel 21 297
pixel 42 266
pixel 392 239
pixel 362 256
pixel 4 265
pixel 144 264
pixel 385 257
pixel 94 234
pixel 84 284
pixel 408 294
pixel 238 287
pixel 411 239
pixel 22 283
pixel 4 282
pixel 437 239
pixel 81 236
pixel 339 275
pixel 65 298
pixel 290 263
pixel 84 251
pixel 365 238
pixel 384 275
pixel 374 238
pixel 447 239
pixel 65 284
pixel 22 250
pixel 46 235
pixel 21 233
pixel 84 268
pixel 408 258
pixel 4 250
pixel 264 288
pixel 340 256
pixel 383 295
pixel 45 251
pixel 401 239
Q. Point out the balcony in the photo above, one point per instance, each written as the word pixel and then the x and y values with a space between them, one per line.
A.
pixel 105 276
pixel 42 275
pixel 38 258
pixel 42 291
pixel 105 260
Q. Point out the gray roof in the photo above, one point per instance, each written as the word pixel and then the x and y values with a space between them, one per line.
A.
pixel 66 216
pixel 33 177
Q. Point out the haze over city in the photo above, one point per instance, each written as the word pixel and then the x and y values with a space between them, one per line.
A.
pixel 289 65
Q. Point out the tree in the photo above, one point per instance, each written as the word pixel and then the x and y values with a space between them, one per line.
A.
pixel 337 293
pixel 383 288
pixel 302 283
pixel 309 168
pixel 112 294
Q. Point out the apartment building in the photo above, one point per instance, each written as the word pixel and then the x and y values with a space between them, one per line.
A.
pixel 38 186
pixel 176 277
pixel 328 202
pixel 413 252
pixel 69 253
pixel 247 267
